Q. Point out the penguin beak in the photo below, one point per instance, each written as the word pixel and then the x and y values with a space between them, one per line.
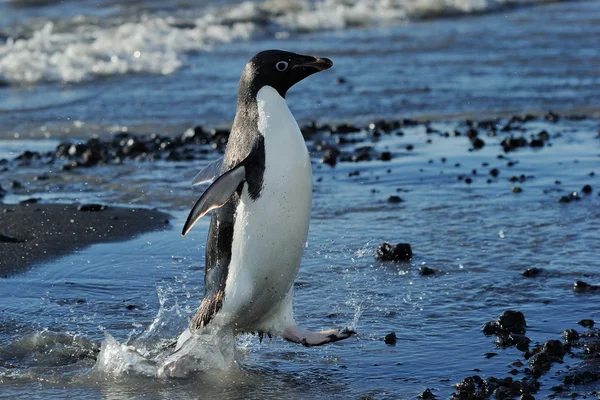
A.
pixel 320 64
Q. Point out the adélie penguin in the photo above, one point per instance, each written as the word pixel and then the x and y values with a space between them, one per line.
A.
pixel 261 195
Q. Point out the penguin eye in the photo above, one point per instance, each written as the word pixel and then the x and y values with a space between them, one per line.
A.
pixel 281 66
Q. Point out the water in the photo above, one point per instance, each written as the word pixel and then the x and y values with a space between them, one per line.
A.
pixel 439 60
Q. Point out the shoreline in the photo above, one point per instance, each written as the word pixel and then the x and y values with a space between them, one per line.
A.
pixel 83 131
pixel 32 234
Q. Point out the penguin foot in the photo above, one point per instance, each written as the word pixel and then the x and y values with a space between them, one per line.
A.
pixel 308 338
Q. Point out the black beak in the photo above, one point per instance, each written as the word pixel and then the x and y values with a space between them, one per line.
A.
pixel 320 64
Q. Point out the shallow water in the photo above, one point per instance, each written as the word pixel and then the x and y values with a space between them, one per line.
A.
pixel 74 75
pixel 410 59
pixel 479 237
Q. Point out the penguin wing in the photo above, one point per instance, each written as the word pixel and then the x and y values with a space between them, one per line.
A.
pixel 208 173
pixel 216 195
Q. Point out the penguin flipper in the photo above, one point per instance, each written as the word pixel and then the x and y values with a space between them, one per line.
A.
pixel 216 195
pixel 208 173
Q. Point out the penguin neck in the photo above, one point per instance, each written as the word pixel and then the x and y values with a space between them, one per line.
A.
pixel 273 112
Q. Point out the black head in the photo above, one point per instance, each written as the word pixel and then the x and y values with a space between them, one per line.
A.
pixel 279 69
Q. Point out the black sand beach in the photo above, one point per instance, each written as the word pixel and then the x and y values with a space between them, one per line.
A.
pixel 34 233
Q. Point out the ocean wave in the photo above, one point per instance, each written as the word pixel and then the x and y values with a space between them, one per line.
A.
pixel 81 48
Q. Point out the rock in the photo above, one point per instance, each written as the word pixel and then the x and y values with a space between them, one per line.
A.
pixel 427 395
pixel 587 189
pixel 564 199
pixel 586 323
pixel 540 363
pixel 91 207
pixel 554 348
pixel 516 189
pixel 581 286
pixel 390 338
pixel 494 172
pixel 394 199
pixel 477 143
pixel 398 252
pixel 512 143
pixel 426 271
pixel 345 128
pixel 521 342
pixel 385 156
pixel 14 185
pixel 532 272
pixel 330 156
pixel 571 335
pixel 509 322
pixel 536 143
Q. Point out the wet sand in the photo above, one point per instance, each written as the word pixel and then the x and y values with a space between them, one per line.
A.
pixel 32 234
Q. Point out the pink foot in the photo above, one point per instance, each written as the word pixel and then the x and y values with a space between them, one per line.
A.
pixel 308 338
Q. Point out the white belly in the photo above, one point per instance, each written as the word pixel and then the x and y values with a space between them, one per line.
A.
pixel 270 233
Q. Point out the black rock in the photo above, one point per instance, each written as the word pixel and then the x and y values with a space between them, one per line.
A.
pixel 394 199
pixel 509 322
pixel 586 323
pixel 477 143
pixel 587 189
pixel 427 395
pixel 385 156
pixel 398 252
pixel 554 348
pixel 426 271
pixel 532 272
pixel 571 335
pixel 514 339
pixel 345 128
pixel 330 156
pixel 581 286
pixel 91 207
pixel 512 143
pixel 494 172
pixel 564 199
pixel 390 338
pixel 536 143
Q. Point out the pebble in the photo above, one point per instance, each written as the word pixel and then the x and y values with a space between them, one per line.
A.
pixel 532 272
pixel 581 286
pixel 394 199
pixel 427 395
pixel 398 252
pixel 508 322
pixel 330 157
pixel 426 271
pixel 587 189
pixel 586 323
pixel 390 338
pixel 571 335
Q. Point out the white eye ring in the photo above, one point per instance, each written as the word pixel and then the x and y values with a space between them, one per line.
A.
pixel 281 66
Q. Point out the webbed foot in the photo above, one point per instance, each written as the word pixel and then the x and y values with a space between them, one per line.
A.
pixel 308 338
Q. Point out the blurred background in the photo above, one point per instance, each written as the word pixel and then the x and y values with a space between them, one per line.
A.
pixel 82 67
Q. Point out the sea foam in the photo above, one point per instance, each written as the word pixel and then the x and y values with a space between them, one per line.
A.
pixel 83 48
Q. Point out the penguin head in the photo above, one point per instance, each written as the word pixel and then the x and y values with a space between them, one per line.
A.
pixel 280 69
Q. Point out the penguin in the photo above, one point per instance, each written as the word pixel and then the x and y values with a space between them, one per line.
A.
pixel 261 197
